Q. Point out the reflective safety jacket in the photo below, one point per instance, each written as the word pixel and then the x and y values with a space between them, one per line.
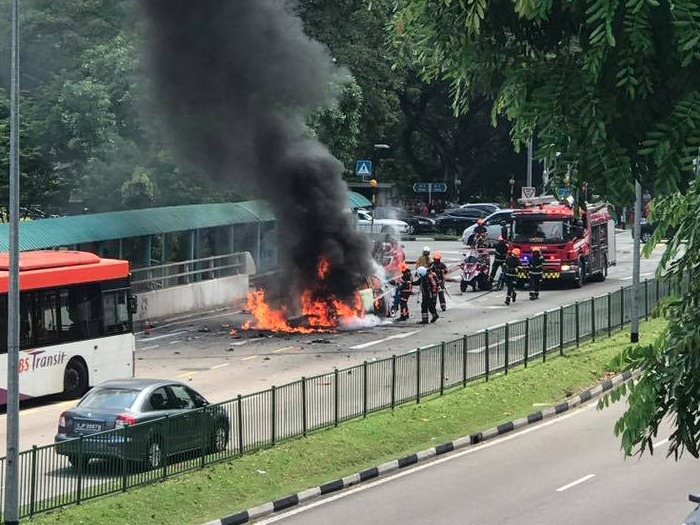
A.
pixel 440 270
pixel 536 263
pixel 512 266
pixel 501 252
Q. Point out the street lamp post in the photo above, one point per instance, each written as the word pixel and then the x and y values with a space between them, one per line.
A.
pixel 11 506
pixel 512 185
pixel 373 181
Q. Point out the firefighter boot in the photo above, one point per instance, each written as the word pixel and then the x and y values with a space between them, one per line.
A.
pixel 435 318
pixel 537 295
pixel 507 299
pixel 443 306
pixel 424 319
pixel 532 296
pixel 514 296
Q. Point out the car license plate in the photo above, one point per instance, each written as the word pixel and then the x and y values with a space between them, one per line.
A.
pixel 87 426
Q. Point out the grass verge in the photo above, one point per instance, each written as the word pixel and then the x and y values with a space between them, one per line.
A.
pixel 200 496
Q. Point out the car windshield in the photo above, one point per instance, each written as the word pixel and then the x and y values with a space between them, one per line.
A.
pixel 526 230
pixel 109 398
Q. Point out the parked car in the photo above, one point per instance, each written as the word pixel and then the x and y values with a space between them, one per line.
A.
pixel 451 222
pixel 149 420
pixel 646 229
pixel 493 227
pixel 489 207
pixel 416 223
pixel 367 225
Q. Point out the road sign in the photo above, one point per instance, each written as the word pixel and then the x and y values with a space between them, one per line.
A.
pixel 430 187
pixel 528 192
pixel 563 193
pixel 363 168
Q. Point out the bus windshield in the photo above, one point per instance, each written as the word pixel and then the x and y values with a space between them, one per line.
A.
pixel 539 230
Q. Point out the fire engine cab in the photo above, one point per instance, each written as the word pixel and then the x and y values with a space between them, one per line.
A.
pixel 575 249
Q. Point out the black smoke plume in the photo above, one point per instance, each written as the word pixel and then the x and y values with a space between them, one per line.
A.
pixel 234 79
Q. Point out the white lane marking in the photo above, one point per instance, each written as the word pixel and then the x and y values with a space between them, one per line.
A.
pixel 239 343
pixel 378 341
pixel 219 366
pixel 286 348
pixel 660 443
pixel 640 275
pixel 250 357
pixel 574 483
pixel 414 470
pixel 150 347
pixel 188 373
pixel 496 343
pixel 155 338
pixel 173 342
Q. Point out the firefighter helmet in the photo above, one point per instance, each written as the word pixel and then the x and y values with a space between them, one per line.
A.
pixel 426 250
pixel 403 267
pixel 536 249
pixel 437 256
pixel 516 252
pixel 480 221
pixel 422 271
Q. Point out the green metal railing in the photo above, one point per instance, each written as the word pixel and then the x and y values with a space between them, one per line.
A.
pixel 262 419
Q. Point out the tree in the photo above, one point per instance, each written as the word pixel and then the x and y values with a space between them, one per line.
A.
pixel 614 86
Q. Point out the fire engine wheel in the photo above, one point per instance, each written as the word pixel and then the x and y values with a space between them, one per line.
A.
pixel 600 276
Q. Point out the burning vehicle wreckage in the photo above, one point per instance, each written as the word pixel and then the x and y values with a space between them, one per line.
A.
pixel 319 310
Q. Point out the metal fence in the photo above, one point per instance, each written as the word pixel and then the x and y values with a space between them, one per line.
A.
pixel 166 275
pixel 48 479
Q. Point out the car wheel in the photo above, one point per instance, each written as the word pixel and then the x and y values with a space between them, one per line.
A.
pixel 78 461
pixel 451 230
pixel 411 229
pixel 75 379
pixel 154 454
pixel 219 438
pixel 644 237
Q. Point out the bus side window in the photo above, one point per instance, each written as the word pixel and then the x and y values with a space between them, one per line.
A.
pixel 116 311
pixel 84 306
pixel 45 315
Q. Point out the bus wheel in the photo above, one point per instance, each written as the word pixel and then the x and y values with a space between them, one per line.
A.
pixel 75 379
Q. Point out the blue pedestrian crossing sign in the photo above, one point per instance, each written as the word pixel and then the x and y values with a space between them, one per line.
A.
pixel 363 168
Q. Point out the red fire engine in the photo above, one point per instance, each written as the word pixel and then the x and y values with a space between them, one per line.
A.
pixel 575 249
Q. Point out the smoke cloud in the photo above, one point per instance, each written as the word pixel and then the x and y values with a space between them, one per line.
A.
pixel 235 80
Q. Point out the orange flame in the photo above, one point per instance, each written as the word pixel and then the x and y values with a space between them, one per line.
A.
pixel 322 312
pixel 323 268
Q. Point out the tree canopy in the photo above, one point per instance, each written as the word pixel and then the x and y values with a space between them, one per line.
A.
pixel 614 85
pixel 611 84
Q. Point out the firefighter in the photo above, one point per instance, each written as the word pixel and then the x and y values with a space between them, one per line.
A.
pixel 535 271
pixel 404 287
pixel 424 259
pixel 499 258
pixel 428 289
pixel 480 234
pixel 440 270
pixel 512 267
pixel 504 230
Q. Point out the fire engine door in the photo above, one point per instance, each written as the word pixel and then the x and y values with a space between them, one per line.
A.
pixel 598 235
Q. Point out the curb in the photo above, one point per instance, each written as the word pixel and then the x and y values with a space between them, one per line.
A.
pixel 291 500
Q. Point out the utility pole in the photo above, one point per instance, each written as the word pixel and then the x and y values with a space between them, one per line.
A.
pixel 637 230
pixel 529 163
pixel 11 508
